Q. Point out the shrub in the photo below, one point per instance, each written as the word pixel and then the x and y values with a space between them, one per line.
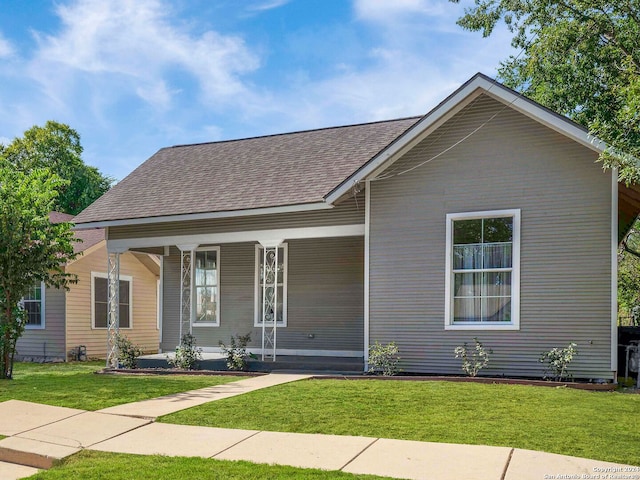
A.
pixel 187 354
pixel 128 352
pixel 236 352
pixel 557 361
pixel 383 359
pixel 473 360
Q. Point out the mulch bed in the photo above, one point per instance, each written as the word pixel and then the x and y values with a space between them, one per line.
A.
pixel 329 375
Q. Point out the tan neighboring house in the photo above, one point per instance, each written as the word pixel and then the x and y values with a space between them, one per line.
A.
pixel 60 321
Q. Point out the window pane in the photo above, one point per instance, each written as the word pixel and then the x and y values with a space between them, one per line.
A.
pixel 497 284
pixel 124 321
pixel 467 257
pixel 467 231
pixel 497 255
pixel 35 293
pixel 467 284
pixel 206 304
pixel 211 277
pixel 33 309
pixel 497 309
pixel 467 309
pixel 124 292
pixel 498 229
pixel 100 289
pixel 100 315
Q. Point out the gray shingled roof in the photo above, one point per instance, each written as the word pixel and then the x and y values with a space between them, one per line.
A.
pixel 276 170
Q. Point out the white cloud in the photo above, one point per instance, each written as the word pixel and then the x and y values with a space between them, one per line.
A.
pixel 267 5
pixel 6 49
pixel 135 45
pixel 390 10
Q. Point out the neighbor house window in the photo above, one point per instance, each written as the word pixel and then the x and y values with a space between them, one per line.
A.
pixel 207 287
pixel 34 306
pixel 280 310
pixel 483 256
pixel 100 300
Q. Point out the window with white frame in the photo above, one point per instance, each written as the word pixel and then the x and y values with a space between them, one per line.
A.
pixel 34 306
pixel 100 300
pixel 207 287
pixel 280 270
pixel 483 265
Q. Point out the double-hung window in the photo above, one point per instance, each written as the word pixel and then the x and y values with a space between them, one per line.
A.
pixel 482 270
pixel 34 306
pixel 277 272
pixel 100 300
pixel 207 287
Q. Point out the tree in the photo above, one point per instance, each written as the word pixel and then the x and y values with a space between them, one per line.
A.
pixel 32 249
pixel 580 58
pixel 57 146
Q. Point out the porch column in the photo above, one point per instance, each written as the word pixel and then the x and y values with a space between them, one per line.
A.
pixel 269 276
pixel 113 306
pixel 186 281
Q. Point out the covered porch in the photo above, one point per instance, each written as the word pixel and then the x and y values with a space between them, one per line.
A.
pixel 298 293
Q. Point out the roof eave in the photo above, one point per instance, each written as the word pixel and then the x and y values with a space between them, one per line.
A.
pixel 477 85
pixel 305 207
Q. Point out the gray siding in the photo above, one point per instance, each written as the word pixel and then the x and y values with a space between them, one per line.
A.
pixel 170 285
pixel 565 201
pixel 46 344
pixel 325 296
pixel 349 212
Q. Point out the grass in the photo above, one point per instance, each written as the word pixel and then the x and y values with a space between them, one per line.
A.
pixel 75 385
pixel 598 425
pixel 117 466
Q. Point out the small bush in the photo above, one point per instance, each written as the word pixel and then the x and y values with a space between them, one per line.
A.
pixel 383 359
pixel 475 359
pixel 187 354
pixel 236 352
pixel 557 362
pixel 128 352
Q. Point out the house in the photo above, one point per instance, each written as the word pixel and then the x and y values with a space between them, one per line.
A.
pixel 487 218
pixel 59 321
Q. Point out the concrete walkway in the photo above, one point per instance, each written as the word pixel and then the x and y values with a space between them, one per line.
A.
pixel 156 407
pixel 39 435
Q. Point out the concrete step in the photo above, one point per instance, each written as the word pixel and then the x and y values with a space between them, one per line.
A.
pixel 33 453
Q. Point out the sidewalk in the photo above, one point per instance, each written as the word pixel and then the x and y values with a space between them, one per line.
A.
pixel 39 435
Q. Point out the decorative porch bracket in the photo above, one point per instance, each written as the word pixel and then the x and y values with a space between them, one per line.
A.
pixel 269 298
pixel 113 306
pixel 186 280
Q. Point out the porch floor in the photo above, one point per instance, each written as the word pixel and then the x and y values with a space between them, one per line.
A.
pixel 292 363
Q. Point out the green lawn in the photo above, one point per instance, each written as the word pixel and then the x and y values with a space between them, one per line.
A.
pixel 114 466
pixel 75 385
pixel 599 425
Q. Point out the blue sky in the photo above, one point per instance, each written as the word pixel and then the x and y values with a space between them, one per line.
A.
pixel 133 76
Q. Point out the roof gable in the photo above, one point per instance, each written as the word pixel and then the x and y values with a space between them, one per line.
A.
pixel 463 96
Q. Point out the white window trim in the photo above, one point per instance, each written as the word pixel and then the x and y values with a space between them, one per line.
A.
pixel 193 288
pixel 42 311
pixel 514 324
pixel 256 295
pixel 126 278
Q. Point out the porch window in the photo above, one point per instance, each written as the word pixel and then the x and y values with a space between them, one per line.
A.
pixel 207 287
pixel 100 300
pixel 281 285
pixel 483 252
pixel 34 305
